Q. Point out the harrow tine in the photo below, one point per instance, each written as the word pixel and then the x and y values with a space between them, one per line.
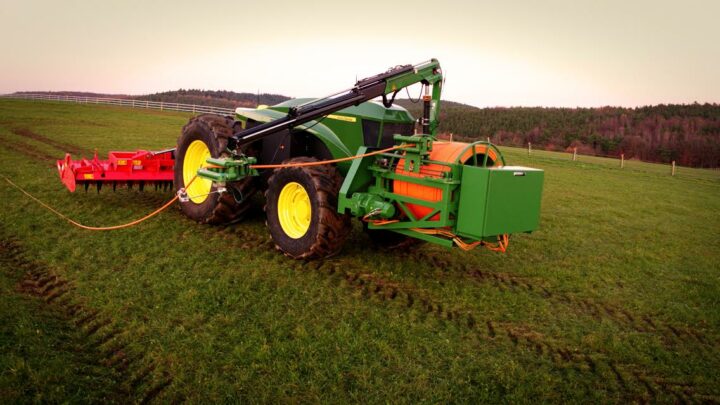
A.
pixel 147 168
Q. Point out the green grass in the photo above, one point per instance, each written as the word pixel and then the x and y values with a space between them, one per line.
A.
pixel 613 299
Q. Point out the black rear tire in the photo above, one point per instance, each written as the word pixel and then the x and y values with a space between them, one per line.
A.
pixel 327 229
pixel 217 208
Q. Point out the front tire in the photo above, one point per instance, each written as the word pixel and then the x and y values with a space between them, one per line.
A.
pixel 301 209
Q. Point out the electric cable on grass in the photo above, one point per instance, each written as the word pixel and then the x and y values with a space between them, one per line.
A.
pixel 176 197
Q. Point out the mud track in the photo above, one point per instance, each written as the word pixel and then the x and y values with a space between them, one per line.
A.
pixel 28 151
pixel 101 338
pixel 671 334
pixel 630 381
pixel 140 380
pixel 61 146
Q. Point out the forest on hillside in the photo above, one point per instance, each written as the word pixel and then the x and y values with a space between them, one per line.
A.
pixel 217 98
pixel 689 134
pixel 686 133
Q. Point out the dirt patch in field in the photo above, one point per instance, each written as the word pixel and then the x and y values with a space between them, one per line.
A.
pixel 29 151
pixel 61 146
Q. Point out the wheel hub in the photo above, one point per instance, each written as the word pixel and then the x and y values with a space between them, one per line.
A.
pixel 294 210
pixel 196 157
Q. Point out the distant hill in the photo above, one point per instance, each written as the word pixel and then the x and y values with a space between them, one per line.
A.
pixel 686 133
pixel 76 94
pixel 217 98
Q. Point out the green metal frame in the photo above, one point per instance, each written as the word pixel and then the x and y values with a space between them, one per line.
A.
pixel 367 190
pixel 374 176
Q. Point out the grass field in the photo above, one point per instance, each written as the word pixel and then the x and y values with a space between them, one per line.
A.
pixel 614 299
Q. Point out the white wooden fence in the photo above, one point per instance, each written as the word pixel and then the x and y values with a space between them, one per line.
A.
pixel 125 102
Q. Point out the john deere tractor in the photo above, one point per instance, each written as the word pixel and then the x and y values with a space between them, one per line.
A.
pixel 321 162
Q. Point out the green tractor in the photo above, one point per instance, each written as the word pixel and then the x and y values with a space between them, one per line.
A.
pixel 321 162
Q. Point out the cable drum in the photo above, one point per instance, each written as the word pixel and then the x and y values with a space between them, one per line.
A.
pixel 449 152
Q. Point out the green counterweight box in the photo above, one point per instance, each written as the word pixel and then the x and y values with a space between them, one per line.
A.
pixel 499 200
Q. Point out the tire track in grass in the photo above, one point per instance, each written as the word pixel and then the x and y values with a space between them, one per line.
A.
pixel 101 337
pixel 61 146
pixel 369 286
pixel 632 385
pixel 28 151
pixel 671 334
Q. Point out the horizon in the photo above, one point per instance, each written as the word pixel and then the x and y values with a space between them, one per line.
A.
pixel 558 54
pixel 60 92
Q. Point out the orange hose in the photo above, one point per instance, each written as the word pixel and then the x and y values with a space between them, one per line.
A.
pixel 501 246
pixel 325 162
pixel 97 228
pixel 169 203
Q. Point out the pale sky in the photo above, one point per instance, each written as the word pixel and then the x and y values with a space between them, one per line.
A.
pixel 502 53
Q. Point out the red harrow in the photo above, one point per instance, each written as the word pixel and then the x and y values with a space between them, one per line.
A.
pixel 141 167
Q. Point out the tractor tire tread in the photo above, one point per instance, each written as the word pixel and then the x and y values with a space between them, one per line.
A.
pixel 226 210
pixel 334 228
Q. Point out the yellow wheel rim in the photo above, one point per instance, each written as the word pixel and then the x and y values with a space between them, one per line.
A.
pixel 294 210
pixel 196 157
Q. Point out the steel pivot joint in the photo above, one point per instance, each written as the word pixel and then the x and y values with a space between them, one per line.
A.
pixel 223 170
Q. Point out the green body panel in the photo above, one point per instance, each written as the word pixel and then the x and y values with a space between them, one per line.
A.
pixel 499 200
pixel 371 110
pixel 477 203
pixel 342 131
pixel 358 179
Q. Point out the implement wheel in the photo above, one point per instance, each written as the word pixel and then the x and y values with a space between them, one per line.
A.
pixel 301 209
pixel 202 137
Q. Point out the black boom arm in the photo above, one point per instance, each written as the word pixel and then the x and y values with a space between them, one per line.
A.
pixel 392 81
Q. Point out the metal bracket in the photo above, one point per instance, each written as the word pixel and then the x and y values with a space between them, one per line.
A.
pixel 223 170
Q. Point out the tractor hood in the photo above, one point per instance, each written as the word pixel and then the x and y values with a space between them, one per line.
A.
pixel 371 109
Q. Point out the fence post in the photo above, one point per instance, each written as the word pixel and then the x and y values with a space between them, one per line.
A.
pixel 193 108
pixel 488 139
pixel 622 160
pixel 574 154
pixel 161 106
pixel 529 148
pixel 673 168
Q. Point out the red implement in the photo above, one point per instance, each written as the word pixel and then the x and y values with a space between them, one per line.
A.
pixel 141 167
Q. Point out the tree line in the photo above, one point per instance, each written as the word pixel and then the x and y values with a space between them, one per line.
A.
pixel 216 98
pixel 686 133
pixel 689 134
